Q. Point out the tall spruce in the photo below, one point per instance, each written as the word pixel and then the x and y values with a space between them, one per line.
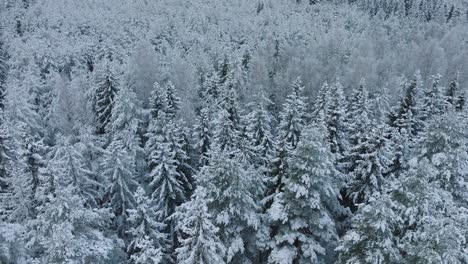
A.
pixel 303 229
pixel 105 91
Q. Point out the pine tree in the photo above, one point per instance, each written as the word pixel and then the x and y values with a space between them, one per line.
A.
pixel 119 169
pixel 6 170
pixel 203 137
pixel 74 168
pixel 147 240
pixel 445 145
pixel 66 230
pixel 371 237
pixel 336 120
pixel 364 163
pixel 104 94
pixel 232 192
pixel 227 122
pixel 293 116
pixel 303 229
pixel 172 101
pixel 169 173
pixel 455 97
pixel 157 101
pixel 259 132
pixel 200 242
pixel 404 115
pixel 431 104
pixel 168 184
pixel 434 229
pixel 3 76
pixel 124 125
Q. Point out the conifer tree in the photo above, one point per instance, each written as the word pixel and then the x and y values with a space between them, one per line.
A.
pixel 434 230
pixel 124 125
pixel 6 169
pixel 66 230
pixel 119 169
pixel 203 137
pixel 303 229
pixel 364 163
pixel 3 76
pixel 455 97
pixel 104 94
pixel 404 115
pixel 336 120
pixel 200 242
pixel 232 191
pixel 431 104
pixel 147 241
pixel 157 101
pixel 372 235
pixel 293 115
pixel 259 132
pixel 172 101
pixel 227 121
pixel 75 169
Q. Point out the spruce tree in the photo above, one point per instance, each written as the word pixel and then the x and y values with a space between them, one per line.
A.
pixel 124 125
pixel 364 163
pixel 303 229
pixel 372 236
pixel 147 241
pixel 233 190
pixel 293 115
pixel 434 229
pixel 66 230
pixel 119 169
pixel 203 136
pixel 6 169
pixel 3 76
pixel 106 87
pixel 68 154
pixel 200 242
pixel 259 133
pixel 455 97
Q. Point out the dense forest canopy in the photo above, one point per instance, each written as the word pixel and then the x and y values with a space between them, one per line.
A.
pixel 215 131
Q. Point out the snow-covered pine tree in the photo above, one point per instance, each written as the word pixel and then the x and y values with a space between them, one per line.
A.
pixel 106 87
pixel 147 241
pixel 68 154
pixel 6 169
pixel 3 75
pixel 445 145
pixel 119 169
pixel 172 101
pixel 66 230
pixel 259 131
pixel 363 162
pixel 200 242
pixel 404 115
pixel 292 121
pixel 227 121
pixel 372 236
pixel 124 125
pixel 435 225
pixel 335 116
pixel 455 97
pixel 157 101
pixel 232 190
pixel 203 136
pixel 293 116
pixel 431 104
pixel 169 185
pixel 304 230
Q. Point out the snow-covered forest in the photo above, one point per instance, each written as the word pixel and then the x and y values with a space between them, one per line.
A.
pixel 233 131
